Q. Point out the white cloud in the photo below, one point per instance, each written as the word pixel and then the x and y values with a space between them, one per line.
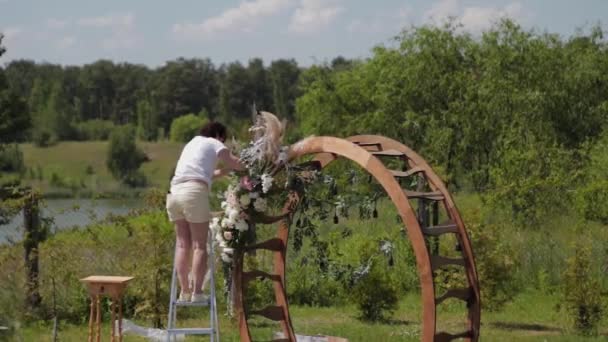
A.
pixel 56 24
pixel 473 18
pixel 122 27
pixel 384 21
pixel 313 16
pixel 243 18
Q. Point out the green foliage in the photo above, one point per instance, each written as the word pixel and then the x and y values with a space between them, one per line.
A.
pixel 375 294
pixel 592 194
pixel 147 121
pixel 496 261
pixel 582 290
pixel 124 157
pixel 11 159
pixel 94 129
pixel 186 127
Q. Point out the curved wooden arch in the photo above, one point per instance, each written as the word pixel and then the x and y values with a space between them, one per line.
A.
pixel 364 150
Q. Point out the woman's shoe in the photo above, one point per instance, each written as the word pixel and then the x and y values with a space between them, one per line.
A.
pixel 184 297
pixel 199 298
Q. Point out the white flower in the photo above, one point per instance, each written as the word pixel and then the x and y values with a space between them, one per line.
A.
pixel 233 215
pixel 283 155
pixel 241 225
pixel 229 222
pixel 245 200
pixel 254 195
pixel 226 258
pixel 229 250
pixel 266 183
pixel 219 237
pixel 224 223
pixel 260 204
pixel 215 224
pixel 223 244
pixel 224 204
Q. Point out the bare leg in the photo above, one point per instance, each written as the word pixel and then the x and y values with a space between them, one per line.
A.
pixel 198 232
pixel 182 253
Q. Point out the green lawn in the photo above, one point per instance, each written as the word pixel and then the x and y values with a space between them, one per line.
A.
pixel 80 167
pixel 530 317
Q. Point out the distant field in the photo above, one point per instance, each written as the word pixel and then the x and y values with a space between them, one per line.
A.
pixel 80 167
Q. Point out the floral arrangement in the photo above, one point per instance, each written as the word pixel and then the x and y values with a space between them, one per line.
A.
pixel 248 194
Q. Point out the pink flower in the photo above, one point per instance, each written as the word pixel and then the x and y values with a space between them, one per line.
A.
pixel 228 236
pixel 246 183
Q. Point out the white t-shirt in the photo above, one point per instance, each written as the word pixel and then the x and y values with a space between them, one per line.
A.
pixel 198 160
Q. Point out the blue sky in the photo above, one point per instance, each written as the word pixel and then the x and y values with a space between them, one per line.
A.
pixel 152 32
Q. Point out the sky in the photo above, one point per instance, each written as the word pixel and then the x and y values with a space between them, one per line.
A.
pixel 152 32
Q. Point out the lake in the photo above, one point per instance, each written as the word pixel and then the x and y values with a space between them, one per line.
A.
pixel 66 215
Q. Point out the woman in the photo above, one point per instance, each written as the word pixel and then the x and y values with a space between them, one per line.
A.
pixel 188 203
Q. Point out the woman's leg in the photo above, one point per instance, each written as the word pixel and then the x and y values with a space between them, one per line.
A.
pixel 182 253
pixel 198 232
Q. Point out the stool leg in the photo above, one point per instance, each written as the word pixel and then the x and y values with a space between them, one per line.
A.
pixel 112 314
pixel 91 319
pixel 98 320
pixel 120 319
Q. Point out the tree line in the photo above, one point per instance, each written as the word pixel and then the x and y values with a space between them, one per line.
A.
pixel 86 102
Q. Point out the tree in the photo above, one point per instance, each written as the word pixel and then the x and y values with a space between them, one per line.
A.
pixel 284 75
pixel 147 121
pixel 14 118
pixel 124 157
pixel 186 127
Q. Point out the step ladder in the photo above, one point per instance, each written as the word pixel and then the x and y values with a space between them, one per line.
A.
pixel 213 329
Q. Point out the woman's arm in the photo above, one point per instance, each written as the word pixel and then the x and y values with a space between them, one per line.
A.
pixel 230 161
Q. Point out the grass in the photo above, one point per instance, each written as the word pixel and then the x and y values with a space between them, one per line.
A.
pixel 80 167
pixel 530 317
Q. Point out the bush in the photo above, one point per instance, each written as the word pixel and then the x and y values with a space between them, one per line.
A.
pixel 496 261
pixel 582 290
pixel 124 157
pixel 186 127
pixel 375 295
pixel 94 129
pixel 43 137
pixel 11 159
pixel 592 201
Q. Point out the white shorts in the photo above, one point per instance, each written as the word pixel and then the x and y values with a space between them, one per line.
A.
pixel 189 201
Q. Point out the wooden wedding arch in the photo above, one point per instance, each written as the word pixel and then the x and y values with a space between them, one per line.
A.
pixel 368 152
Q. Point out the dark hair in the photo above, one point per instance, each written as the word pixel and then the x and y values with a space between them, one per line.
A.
pixel 213 129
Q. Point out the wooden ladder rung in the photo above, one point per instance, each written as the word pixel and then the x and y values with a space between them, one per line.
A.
pixel 446 337
pixel 367 143
pixel 255 274
pixel 432 196
pixel 388 153
pixel 458 293
pixel 403 174
pixel 438 261
pixel 274 244
pixel 443 228
pixel 272 312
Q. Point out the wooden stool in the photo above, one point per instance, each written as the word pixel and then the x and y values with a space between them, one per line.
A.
pixel 113 287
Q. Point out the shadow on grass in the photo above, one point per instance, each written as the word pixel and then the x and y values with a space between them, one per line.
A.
pixel 524 326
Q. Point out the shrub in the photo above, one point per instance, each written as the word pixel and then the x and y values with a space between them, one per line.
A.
pixel 186 127
pixel 124 157
pixel 94 129
pixel 43 137
pixel 375 295
pixel 592 201
pixel 11 159
pixel 582 291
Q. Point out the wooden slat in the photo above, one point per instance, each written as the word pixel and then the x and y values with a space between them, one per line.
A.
pixel 388 153
pixel 402 174
pixel 366 144
pixel 273 312
pixel 440 261
pixel 446 337
pixel 255 274
pixel 458 293
pixel 444 228
pixel 274 244
pixel 433 196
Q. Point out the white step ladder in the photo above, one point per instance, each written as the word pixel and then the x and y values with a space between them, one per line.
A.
pixel 213 329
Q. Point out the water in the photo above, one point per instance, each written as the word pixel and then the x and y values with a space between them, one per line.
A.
pixel 65 214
